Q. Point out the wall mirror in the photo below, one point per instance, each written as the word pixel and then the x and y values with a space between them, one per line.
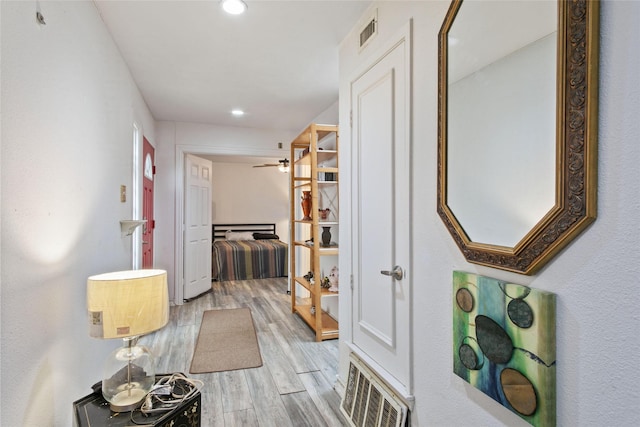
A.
pixel 517 129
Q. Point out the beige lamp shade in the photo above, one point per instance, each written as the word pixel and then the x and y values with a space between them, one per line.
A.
pixel 127 303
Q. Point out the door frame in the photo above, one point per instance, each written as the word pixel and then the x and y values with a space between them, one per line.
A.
pixel 181 152
pixel 404 34
pixel 136 195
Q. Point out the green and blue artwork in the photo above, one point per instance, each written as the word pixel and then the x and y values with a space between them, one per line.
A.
pixel 504 344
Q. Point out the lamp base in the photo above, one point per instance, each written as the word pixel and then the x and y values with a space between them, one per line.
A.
pixel 128 376
pixel 127 400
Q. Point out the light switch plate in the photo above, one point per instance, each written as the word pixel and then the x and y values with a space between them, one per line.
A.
pixel 123 193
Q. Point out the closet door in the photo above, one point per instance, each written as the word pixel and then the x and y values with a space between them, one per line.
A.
pixel 381 299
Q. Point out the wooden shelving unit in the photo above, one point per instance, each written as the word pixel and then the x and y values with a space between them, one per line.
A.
pixel 311 162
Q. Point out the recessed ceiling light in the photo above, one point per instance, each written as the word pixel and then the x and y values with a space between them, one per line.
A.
pixel 234 7
pixel 237 112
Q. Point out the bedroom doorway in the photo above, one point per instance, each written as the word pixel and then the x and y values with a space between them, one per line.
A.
pixel 182 151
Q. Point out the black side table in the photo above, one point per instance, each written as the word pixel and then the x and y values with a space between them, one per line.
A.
pixel 93 411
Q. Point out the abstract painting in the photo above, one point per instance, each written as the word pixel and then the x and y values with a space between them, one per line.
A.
pixel 504 344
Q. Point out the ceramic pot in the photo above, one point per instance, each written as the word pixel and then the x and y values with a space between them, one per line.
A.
pixel 326 236
pixel 306 205
pixel 324 213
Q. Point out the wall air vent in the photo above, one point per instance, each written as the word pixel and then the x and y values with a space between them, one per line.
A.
pixel 368 401
pixel 369 30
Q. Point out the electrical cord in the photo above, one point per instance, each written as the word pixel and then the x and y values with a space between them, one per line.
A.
pixel 168 393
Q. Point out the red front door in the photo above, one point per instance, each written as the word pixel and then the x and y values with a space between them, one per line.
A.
pixel 149 170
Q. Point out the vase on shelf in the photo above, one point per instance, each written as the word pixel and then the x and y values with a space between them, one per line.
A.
pixel 306 205
pixel 326 236
pixel 324 213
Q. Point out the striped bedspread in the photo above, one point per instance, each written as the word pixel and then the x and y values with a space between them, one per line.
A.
pixel 248 259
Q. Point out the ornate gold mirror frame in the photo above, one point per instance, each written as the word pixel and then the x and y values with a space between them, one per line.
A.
pixel 576 145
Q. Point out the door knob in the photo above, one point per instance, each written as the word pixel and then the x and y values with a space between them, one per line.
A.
pixel 396 273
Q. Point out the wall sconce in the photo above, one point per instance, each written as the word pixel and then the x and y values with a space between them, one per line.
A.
pixel 128 226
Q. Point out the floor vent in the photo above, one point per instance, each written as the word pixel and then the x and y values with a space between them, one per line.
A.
pixel 369 30
pixel 368 401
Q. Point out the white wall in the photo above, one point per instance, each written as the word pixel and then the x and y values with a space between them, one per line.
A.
pixel 244 194
pixel 328 116
pixel 68 107
pixel 594 277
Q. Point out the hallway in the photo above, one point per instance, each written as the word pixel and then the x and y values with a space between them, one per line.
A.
pixel 294 387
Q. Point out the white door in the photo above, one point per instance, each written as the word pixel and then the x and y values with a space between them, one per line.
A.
pixel 380 108
pixel 197 214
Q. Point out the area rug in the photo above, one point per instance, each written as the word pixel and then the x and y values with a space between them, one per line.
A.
pixel 227 341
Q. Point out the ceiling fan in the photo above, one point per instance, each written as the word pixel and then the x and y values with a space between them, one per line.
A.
pixel 283 165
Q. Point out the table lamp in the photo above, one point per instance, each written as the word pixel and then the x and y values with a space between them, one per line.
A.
pixel 127 304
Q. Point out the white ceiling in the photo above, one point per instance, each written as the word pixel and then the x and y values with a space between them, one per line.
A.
pixel 195 63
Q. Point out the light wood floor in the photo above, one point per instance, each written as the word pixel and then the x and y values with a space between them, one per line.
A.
pixel 294 387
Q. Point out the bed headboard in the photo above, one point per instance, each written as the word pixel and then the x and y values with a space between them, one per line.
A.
pixel 218 230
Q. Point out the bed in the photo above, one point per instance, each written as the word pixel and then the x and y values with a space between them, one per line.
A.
pixel 247 251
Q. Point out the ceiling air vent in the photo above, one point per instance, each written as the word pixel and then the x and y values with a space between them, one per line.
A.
pixel 369 30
